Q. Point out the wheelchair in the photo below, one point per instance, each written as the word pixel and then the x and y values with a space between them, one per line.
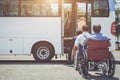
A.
pixel 96 57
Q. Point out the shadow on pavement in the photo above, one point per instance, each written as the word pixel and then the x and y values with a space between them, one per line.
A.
pixel 14 62
pixel 101 77
pixel 117 62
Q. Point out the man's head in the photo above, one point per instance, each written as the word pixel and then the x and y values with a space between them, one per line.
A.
pixel 97 28
pixel 85 28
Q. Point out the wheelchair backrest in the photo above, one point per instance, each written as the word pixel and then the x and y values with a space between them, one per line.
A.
pixel 98 49
pixel 97 44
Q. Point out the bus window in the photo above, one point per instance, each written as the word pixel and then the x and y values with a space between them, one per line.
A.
pixel 27 8
pixel 39 8
pixel 49 8
pixel 9 8
pixel 81 15
pixel 100 8
pixel 67 19
pixel 67 9
pixel 33 8
pixel 3 11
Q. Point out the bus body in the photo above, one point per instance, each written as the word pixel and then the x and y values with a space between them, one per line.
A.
pixel 106 21
pixel 16 38
pixel 46 27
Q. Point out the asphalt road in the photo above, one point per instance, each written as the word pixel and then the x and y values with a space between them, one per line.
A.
pixel 25 68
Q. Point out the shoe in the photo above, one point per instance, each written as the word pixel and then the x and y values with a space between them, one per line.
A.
pixel 76 69
pixel 87 76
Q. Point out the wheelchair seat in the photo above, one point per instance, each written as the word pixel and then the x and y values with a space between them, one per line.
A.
pixel 98 50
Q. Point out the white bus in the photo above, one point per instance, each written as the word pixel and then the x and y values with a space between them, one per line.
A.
pixel 45 28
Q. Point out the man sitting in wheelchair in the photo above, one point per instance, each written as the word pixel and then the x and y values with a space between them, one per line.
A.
pixel 96 43
pixel 96 54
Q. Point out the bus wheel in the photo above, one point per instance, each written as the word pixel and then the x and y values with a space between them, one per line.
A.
pixel 43 51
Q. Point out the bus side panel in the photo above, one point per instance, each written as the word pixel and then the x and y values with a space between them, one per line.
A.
pixel 105 23
pixel 31 30
pixel 45 29
pixel 11 45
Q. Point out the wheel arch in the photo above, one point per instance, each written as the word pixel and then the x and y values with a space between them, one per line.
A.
pixel 39 42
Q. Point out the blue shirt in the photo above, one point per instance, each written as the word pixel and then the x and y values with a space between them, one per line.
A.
pixel 98 36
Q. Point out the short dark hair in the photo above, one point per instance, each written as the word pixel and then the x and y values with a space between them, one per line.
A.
pixel 97 28
pixel 85 28
pixel 78 32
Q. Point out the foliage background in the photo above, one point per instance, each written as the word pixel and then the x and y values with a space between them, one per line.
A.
pixel 117 6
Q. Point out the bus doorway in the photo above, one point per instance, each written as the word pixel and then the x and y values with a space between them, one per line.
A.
pixel 83 14
pixel 76 14
pixel 68 19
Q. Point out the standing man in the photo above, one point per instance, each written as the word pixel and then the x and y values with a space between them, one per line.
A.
pixel 80 41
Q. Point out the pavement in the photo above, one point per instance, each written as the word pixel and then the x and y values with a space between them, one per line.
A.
pixel 24 67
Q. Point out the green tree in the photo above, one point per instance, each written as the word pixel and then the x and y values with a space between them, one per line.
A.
pixel 117 9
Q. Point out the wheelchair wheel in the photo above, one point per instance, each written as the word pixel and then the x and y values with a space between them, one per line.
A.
pixel 104 68
pixel 78 62
pixel 83 69
pixel 111 64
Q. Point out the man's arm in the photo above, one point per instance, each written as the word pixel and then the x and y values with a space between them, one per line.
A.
pixel 74 49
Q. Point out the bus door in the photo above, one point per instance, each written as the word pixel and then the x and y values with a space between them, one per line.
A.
pixel 67 18
pixel 76 14
pixel 68 24
pixel 83 14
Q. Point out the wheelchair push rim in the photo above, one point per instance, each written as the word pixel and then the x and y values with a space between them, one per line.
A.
pixel 111 65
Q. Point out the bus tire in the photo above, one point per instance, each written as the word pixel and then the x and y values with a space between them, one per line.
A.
pixel 43 51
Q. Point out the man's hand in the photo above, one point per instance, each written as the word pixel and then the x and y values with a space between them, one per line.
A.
pixel 73 52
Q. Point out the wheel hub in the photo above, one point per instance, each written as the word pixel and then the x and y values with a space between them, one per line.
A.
pixel 43 52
